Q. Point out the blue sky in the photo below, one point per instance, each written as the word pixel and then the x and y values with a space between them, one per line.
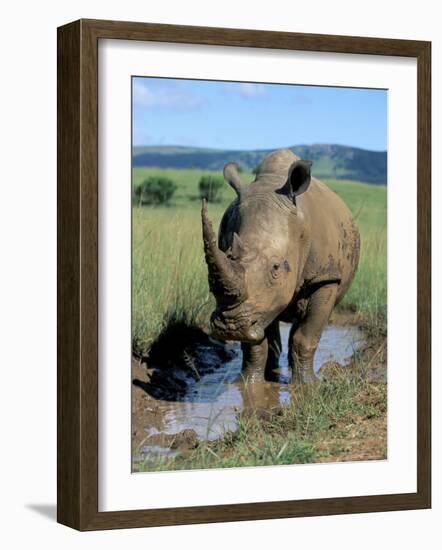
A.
pixel 235 115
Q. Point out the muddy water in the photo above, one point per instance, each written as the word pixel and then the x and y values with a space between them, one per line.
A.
pixel 209 402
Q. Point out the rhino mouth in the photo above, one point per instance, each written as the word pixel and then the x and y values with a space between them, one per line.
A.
pixel 240 328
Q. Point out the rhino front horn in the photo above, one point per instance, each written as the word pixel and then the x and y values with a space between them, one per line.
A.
pixel 226 278
pixel 232 176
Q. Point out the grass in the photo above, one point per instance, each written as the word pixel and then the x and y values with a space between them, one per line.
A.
pixel 368 293
pixel 170 276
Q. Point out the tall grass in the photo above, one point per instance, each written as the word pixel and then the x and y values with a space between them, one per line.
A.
pixel 368 292
pixel 169 278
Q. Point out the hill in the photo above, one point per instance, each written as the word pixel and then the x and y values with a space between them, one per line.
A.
pixel 330 161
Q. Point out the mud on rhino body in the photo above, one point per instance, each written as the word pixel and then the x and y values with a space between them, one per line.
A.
pixel 287 250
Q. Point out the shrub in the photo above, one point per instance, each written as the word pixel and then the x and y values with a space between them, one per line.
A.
pixel 210 188
pixel 137 192
pixel 155 190
pixel 256 169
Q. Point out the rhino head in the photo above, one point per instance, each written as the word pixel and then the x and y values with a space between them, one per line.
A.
pixel 254 265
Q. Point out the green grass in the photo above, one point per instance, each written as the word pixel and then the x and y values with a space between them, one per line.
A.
pixel 368 293
pixel 170 275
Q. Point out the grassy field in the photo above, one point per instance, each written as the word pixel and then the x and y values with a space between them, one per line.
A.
pixel 170 275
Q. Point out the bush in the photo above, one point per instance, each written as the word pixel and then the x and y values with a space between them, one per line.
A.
pixel 155 190
pixel 210 188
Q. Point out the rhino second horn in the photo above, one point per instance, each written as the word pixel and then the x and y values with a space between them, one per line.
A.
pixel 238 247
pixel 226 280
pixel 232 176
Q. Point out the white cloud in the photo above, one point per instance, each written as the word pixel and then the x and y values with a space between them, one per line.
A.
pixel 247 89
pixel 165 96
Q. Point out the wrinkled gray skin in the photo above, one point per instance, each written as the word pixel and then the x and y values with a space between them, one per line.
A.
pixel 287 250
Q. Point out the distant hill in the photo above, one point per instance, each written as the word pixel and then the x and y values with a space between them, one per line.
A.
pixel 330 161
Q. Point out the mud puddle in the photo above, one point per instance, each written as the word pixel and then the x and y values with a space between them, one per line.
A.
pixel 201 400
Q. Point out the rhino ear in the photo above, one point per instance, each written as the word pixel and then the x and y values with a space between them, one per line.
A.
pixel 298 179
pixel 232 176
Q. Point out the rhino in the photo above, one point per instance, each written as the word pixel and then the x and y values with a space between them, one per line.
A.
pixel 287 250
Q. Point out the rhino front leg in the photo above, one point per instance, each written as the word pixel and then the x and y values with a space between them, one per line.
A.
pixel 305 336
pixel 254 361
pixel 261 361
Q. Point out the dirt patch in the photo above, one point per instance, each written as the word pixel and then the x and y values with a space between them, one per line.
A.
pixel 146 412
pixel 344 317
pixel 361 439
pixel 145 409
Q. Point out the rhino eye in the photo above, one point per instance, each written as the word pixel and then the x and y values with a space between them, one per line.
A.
pixel 276 270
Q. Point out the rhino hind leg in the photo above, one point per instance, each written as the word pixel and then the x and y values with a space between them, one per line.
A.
pixel 305 335
pixel 274 351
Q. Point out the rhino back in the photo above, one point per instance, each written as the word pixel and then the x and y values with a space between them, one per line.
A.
pixel 335 243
